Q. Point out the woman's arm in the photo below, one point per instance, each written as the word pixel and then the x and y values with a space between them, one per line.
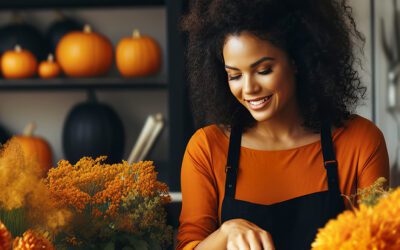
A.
pixel 199 214
pixel 375 162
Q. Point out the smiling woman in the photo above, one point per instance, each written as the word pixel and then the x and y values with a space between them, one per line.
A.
pixel 273 88
pixel 261 77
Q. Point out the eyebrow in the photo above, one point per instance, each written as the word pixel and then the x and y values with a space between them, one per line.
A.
pixel 253 64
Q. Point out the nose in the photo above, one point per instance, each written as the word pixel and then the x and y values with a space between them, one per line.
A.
pixel 250 86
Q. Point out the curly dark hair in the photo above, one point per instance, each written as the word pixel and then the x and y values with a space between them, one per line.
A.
pixel 318 35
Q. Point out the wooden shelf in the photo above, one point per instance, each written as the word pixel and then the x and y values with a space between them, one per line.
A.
pixel 110 83
pixel 51 4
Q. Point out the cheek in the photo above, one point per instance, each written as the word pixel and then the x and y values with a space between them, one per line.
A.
pixel 281 83
pixel 235 89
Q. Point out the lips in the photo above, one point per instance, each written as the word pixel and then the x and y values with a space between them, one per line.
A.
pixel 257 99
pixel 258 103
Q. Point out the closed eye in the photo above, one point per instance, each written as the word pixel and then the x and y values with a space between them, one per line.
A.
pixel 236 77
pixel 265 72
pixel 232 78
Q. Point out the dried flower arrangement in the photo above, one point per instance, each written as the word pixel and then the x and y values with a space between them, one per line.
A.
pixel 91 204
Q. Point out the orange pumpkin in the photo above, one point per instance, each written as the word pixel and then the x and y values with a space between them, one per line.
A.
pixel 49 69
pixel 138 55
pixel 18 63
pixel 35 149
pixel 84 54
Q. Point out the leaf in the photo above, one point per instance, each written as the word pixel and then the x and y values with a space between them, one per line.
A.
pixel 110 246
pixel 15 220
pixel 154 245
pixel 138 244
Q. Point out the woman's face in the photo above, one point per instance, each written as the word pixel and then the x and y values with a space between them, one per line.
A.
pixel 260 75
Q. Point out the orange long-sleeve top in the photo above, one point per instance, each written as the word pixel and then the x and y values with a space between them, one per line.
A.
pixel 267 177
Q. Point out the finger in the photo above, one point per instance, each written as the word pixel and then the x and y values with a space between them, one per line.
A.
pixel 254 241
pixel 266 240
pixel 242 243
pixel 231 246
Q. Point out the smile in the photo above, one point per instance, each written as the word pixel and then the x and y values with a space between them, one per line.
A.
pixel 259 103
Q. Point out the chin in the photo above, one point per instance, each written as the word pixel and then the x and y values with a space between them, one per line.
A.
pixel 261 117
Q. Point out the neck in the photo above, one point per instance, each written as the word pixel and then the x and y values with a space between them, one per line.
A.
pixel 283 126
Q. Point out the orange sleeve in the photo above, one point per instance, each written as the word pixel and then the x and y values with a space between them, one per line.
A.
pixel 191 245
pixel 376 159
pixel 199 214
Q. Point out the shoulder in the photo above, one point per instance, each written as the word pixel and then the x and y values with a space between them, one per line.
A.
pixel 206 146
pixel 205 140
pixel 358 126
pixel 207 134
pixel 360 132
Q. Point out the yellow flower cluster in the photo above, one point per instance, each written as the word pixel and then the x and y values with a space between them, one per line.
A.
pixel 369 227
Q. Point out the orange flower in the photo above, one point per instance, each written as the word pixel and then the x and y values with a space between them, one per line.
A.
pixel 32 241
pixel 5 237
pixel 368 227
pixel 102 190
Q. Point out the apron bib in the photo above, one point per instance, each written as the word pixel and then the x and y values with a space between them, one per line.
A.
pixel 293 224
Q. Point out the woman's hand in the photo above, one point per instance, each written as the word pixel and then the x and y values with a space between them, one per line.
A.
pixel 244 235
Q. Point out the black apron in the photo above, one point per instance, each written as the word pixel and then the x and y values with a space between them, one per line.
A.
pixel 293 224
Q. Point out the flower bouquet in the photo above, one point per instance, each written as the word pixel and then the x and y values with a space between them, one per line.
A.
pixel 375 224
pixel 89 205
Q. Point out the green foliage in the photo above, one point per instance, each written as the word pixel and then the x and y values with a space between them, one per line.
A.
pixel 15 220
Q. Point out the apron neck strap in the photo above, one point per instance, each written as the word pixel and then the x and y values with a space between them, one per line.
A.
pixel 330 162
pixel 232 165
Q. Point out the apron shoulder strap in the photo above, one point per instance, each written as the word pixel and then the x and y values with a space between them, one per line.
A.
pixel 330 162
pixel 232 164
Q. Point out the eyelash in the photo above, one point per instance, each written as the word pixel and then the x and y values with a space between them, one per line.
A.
pixel 264 72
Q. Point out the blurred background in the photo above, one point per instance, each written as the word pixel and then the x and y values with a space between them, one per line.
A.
pixel 31 97
pixel 48 100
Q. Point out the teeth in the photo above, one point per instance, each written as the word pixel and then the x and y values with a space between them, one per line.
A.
pixel 255 103
pixel 258 102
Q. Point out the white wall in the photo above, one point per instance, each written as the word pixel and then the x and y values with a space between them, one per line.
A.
pixel 361 11
pixel 49 108
pixel 384 12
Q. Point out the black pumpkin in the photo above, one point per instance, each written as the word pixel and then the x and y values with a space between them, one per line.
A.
pixel 4 135
pixel 93 129
pixel 59 28
pixel 25 35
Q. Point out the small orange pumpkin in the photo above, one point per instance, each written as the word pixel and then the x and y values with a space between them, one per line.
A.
pixel 138 55
pixel 50 68
pixel 18 63
pixel 84 54
pixel 35 148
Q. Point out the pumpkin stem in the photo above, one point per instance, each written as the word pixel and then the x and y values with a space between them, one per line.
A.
pixel 50 58
pixel 91 96
pixel 87 28
pixel 29 129
pixel 136 33
pixel 17 48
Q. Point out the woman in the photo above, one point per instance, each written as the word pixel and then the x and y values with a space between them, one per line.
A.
pixel 274 81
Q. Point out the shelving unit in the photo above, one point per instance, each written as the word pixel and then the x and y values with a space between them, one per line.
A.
pixel 100 83
pixel 179 123
pixel 45 4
